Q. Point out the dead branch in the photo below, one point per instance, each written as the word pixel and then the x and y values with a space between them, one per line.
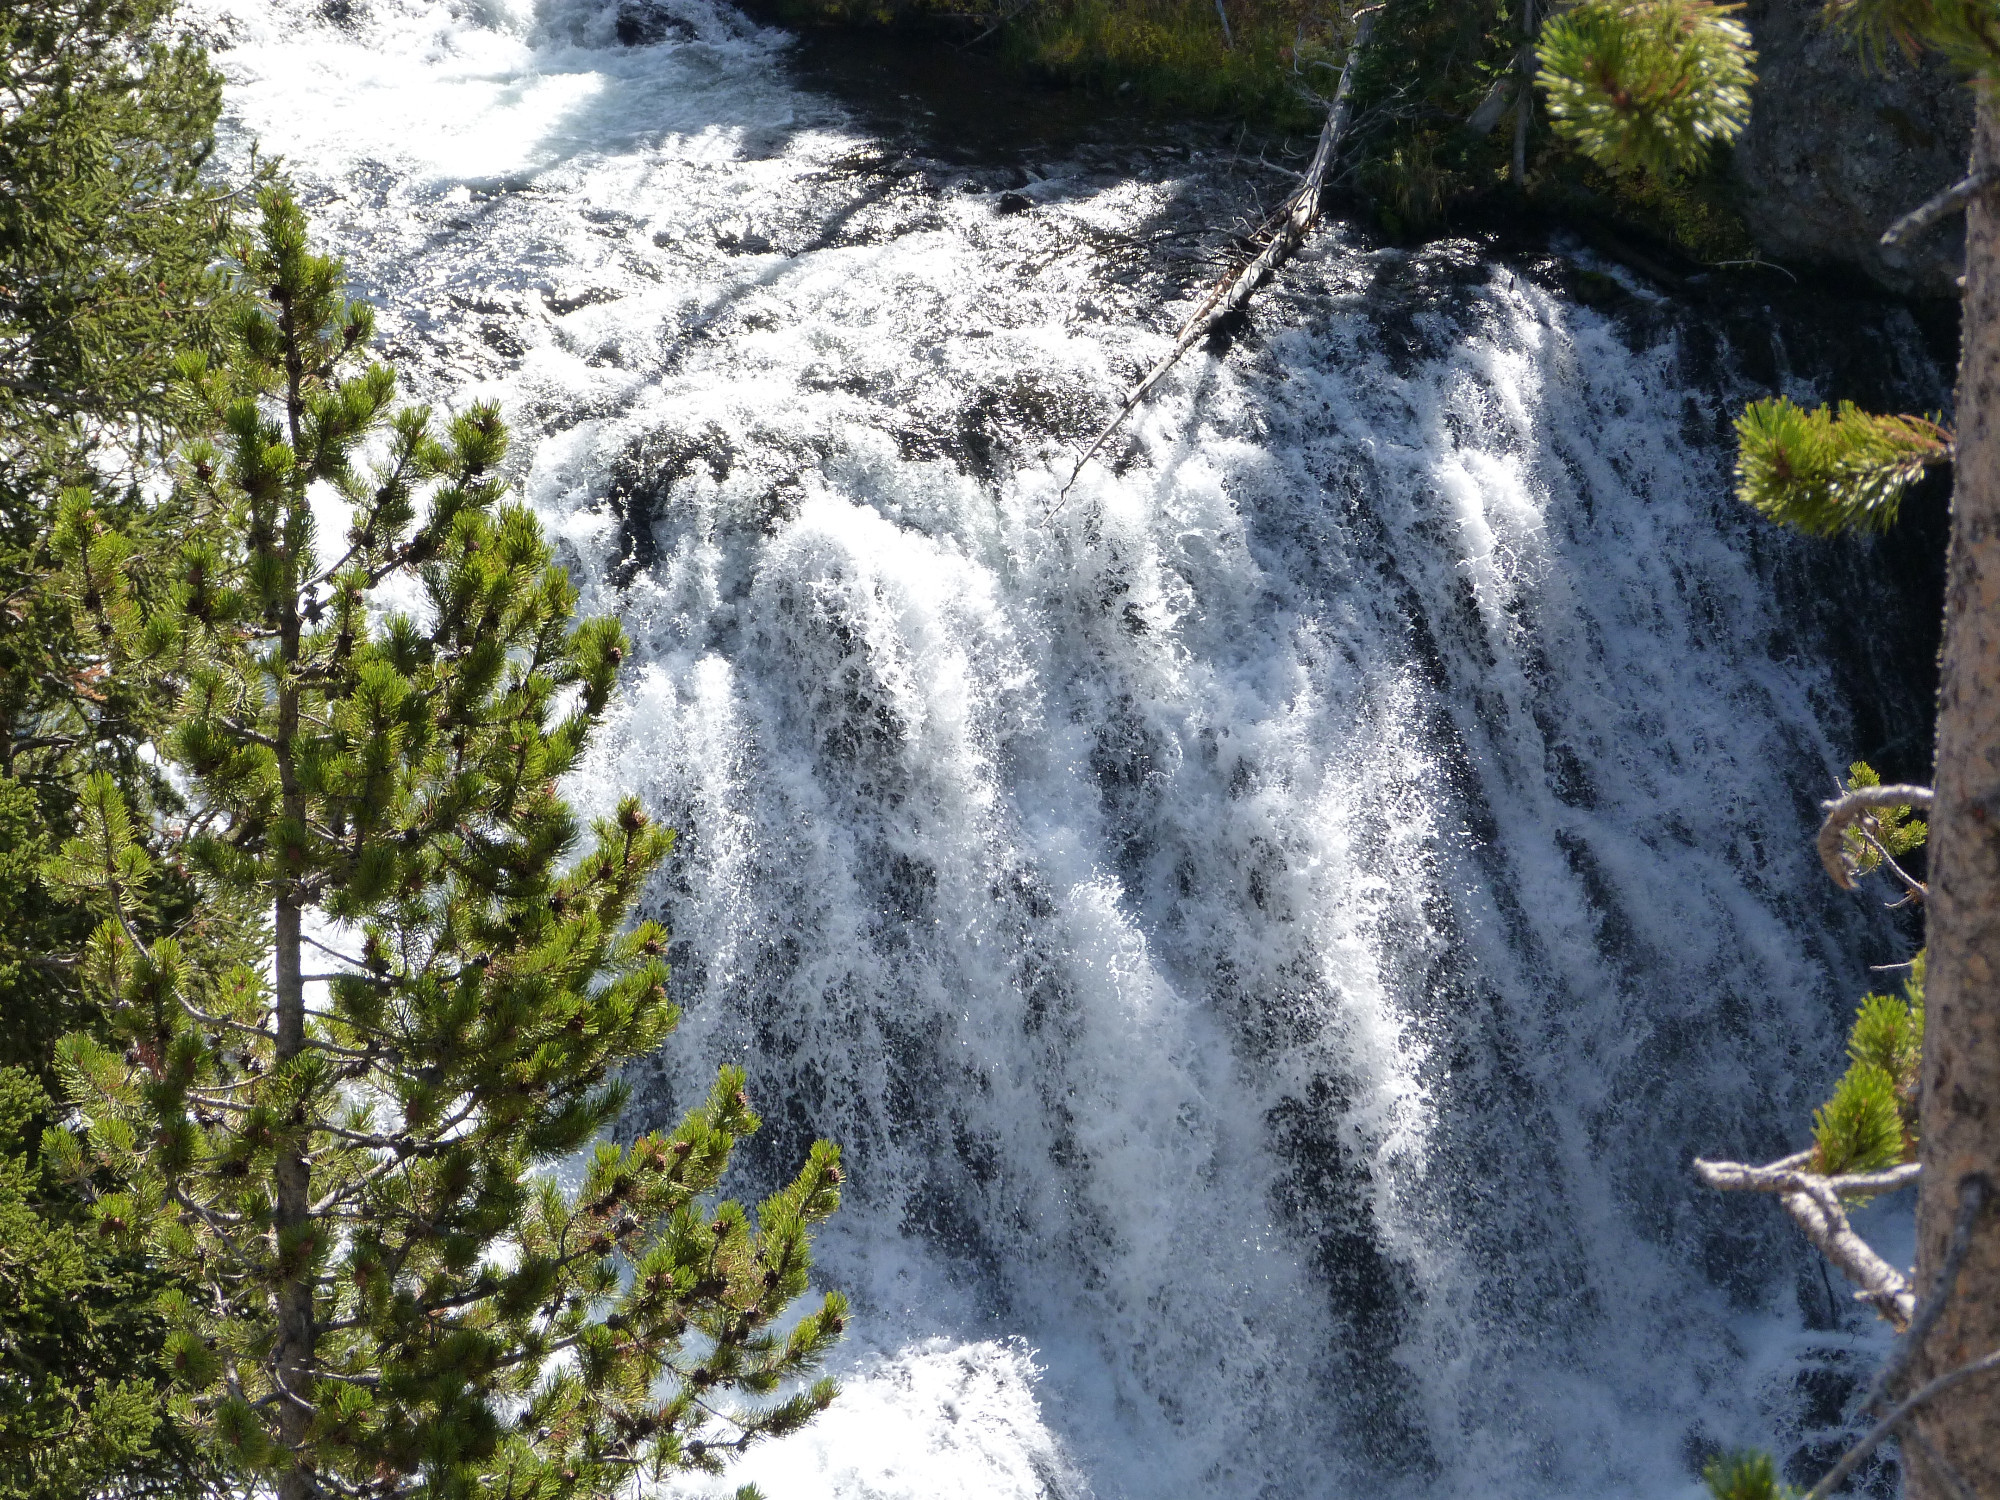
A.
pixel 1813 1201
pixel 1945 204
pixel 1973 1192
pixel 1850 808
pixel 1279 239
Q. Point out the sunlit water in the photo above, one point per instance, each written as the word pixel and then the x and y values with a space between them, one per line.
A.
pixel 1269 929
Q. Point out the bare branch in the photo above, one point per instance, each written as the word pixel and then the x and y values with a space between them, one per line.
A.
pixel 1945 204
pixel 1851 1460
pixel 1813 1201
pixel 1789 1176
pixel 1914 889
pixel 1283 235
pixel 1973 1192
pixel 1850 807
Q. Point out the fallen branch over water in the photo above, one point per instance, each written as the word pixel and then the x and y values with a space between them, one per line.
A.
pixel 1813 1201
pixel 1280 238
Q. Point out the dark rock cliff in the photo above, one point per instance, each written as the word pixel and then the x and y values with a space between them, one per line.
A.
pixel 1836 150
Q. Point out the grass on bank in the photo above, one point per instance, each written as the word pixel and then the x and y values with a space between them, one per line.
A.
pixel 1269 64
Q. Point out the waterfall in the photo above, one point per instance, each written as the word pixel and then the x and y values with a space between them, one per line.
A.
pixel 1269 928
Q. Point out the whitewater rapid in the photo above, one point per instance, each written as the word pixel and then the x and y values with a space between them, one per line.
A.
pixel 1270 926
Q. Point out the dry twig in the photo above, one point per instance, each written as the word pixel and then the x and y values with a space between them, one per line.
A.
pixel 1813 1201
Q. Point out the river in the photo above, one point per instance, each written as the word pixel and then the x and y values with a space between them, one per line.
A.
pixel 1269 927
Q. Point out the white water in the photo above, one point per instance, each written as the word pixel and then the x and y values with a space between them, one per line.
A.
pixel 1270 935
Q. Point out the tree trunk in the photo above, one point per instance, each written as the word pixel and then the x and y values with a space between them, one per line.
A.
pixel 1961 1080
pixel 293 1180
pixel 291 1173
pixel 1524 104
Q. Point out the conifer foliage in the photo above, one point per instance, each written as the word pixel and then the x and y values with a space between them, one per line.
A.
pixel 80 1401
pixel 107 230
pixel 1649 86
pixel 1832 470
pixel 1871 1120
pixel 405 992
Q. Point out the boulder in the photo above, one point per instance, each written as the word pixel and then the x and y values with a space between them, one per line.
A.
pixel 1838 149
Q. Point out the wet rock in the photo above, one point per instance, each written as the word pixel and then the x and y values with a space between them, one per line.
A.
pixel 1837 150
pixel 1013 203
pixel 738 237
pixel 502 339
pixel 562 301
pixel 641 24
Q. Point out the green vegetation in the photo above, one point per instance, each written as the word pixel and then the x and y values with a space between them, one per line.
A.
pixel 108 234
pixel 1646 88
pixel 278 1230
pixel 81 1407
pixel 371 1275
pixel 1744 1476
pixel 1173 54
pixel 1832 470
pixel 1435 98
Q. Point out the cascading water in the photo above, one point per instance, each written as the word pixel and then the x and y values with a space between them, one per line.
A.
pixel 1269 928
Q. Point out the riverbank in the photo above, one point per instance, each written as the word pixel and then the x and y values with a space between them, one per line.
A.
pixel 1437 112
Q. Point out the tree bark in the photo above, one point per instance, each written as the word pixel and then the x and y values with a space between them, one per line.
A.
pixel 293 1180
pixel 1524 105
pixel 291 1172
pixel 1960 1109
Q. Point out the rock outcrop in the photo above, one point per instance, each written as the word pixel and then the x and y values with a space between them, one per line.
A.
pixel 1837 150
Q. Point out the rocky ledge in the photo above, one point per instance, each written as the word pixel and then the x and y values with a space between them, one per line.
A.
pixel 1837 149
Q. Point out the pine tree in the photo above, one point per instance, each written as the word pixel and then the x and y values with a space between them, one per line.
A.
pixel 108 233
pixel 337 1089
pixel 80 1404
pixel 1635 89
pixel 107 229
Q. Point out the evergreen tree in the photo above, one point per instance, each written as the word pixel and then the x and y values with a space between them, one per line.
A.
pixel 108 234
pixel 107 237
pixel 81 1397
pixel 107 231
pixel 337 1089
pixel 1652 83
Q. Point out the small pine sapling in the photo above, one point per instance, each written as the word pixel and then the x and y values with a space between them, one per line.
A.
pixel 340 1146
pixel 1745 1475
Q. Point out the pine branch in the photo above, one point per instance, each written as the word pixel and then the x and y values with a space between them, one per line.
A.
pixel 1849 808
pixel 1648 86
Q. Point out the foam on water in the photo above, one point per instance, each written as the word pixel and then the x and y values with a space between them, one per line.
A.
pixel 1269 929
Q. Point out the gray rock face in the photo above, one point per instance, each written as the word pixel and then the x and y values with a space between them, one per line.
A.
pixel 1837 150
